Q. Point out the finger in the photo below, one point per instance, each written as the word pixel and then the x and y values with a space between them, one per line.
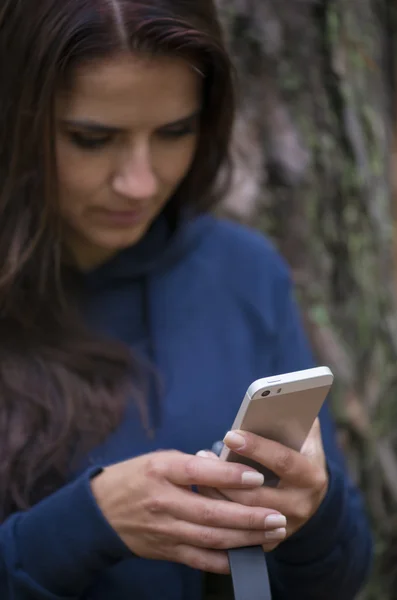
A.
pixel 251 498
pixel 295 503
pixel 313 446
pixel 257 498
pixel 185 470
pixel 210 561
pixel 216 538
pixel 193 508
pixel 289 465
pixel 277 499
pixel 212 493
pixel 268 497
pixel 217 448
pixel 207 454
pixel 270 546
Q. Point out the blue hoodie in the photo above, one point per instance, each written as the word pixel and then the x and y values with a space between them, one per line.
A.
pixel 212 308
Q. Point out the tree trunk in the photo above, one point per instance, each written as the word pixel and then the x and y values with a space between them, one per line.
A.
pixel 313 150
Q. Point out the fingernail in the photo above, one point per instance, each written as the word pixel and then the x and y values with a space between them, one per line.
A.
pixel 275 521
pixel 217 448
pixel 276 534
pixel 234 440
pixel 252 478
pixel 203 454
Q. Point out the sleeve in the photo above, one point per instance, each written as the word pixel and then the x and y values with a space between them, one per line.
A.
pixel 54 550
pixel 331 555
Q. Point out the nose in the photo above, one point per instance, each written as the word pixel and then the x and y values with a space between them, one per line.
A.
pixel 135 178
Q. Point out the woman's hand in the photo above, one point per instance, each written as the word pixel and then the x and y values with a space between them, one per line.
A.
pixel 303 478
pixel 149 502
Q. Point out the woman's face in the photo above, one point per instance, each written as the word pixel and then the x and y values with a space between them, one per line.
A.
pixel 126 137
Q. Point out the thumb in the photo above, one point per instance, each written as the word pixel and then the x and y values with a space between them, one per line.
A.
pixel 313 446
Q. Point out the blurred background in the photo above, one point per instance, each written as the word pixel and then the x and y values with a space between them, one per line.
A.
pixel 314 152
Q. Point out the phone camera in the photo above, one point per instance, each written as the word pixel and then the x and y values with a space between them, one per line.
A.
pixel 266 393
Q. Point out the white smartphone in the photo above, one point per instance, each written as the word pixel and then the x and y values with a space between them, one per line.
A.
pixel 282 408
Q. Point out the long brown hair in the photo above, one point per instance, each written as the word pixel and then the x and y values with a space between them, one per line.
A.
pixel 62 389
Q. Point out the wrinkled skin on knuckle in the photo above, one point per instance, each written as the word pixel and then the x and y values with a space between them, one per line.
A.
pixel 284 462
pixel 159 501
pixel 233 471
pixel 252 521
pixel 207 514
pixel 251 443
pixel 209 539
pixel 156 504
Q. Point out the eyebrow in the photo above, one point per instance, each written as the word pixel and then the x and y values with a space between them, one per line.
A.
pixel 96 127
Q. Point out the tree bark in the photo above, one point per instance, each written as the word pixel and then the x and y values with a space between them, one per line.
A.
pixel 313 153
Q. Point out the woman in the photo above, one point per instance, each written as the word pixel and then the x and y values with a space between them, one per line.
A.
pixel 132 323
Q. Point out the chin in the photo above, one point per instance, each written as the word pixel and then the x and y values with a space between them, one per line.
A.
pixel 117 240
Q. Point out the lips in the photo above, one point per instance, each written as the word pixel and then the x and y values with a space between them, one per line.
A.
pixel 123 217
pixel 123 211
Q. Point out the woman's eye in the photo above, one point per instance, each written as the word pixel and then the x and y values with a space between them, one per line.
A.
pixel 87 142
pixel 178 132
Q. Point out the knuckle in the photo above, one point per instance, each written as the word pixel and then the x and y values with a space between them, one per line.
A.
pixel 187 555
pixel 231 470
pixel 155 504
pixel 208 515
pixel 309 448
pixel 320 480
pixel 284 461
pixel 180 554
pixel 156 466
pixel 158 463
pixel 192 470
pixel 252 520
pixel 303 511
pixel 251 443
pixel 200 562
pixel 209 539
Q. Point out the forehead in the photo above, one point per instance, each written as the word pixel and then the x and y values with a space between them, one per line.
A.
pixel 130 90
